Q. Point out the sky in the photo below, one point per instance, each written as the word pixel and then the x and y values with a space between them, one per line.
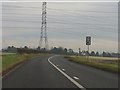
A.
pixel 0 26
pixel 61 0
pixel 68 24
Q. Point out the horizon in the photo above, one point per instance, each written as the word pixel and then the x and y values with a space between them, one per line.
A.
pixel 56 47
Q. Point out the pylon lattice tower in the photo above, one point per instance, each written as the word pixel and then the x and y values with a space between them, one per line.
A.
pixel 43 42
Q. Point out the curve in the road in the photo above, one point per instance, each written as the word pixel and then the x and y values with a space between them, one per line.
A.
pixel 67 76
pixel 89 77
pixel 36 73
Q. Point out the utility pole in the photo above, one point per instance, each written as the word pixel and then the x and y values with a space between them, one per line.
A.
pixel 88 53
pixel 79 51
pixel 43 42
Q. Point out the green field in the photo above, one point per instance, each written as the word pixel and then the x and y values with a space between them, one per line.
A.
pixel 104 63
pixel 11 60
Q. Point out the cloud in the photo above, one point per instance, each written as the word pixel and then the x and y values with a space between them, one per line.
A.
pixel 67 24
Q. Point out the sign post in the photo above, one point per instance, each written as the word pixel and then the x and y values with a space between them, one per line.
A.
pixel 88 42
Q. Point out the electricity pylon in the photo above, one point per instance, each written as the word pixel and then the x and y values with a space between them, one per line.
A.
pixel 43 42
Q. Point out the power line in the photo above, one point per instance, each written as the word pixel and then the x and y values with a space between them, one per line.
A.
pixel 83 4
pixel 70 20
pixel 13 6
pixel 81 25
pixel 91 4
pixel 4 13
pixel 67 10
pixel 95 18
pixel 58 22
pixel 66 28
pixel 67 31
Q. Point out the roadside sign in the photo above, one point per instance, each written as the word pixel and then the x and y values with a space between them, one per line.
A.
pixel 88 40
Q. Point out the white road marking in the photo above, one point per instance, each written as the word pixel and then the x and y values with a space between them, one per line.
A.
pixel 57 65
pixel 76 78
pixel 63 69
pixel 67 76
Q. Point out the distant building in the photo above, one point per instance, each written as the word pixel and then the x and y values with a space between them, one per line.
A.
pixel 12 49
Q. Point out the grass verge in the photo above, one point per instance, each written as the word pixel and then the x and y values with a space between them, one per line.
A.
pixel 101 63
pixel 12 60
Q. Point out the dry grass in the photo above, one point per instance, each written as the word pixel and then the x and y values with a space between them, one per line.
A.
pixel 108 64
pixel 11 60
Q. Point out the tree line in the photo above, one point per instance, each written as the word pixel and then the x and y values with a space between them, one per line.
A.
pixel 58 50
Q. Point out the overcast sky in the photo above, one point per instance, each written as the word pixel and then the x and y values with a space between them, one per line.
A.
pixel 68 24
pixel 61 0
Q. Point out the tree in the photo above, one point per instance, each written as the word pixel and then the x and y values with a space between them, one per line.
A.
pixel 60 50
pixel 97 53
pixel 9 47
pixel 38 48
pixel 104 54
pixel 54 50
pixel 12 47
pixel 25 47
pixel 65 50
pixel 92 53
pixel 71 51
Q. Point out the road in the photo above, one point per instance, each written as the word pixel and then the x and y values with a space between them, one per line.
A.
pixel 57 72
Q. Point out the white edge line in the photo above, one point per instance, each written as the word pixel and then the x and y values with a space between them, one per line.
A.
pixel 68 77
pixel 12 70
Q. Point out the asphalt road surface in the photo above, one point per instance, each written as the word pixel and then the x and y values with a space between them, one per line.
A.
pixel 57 72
